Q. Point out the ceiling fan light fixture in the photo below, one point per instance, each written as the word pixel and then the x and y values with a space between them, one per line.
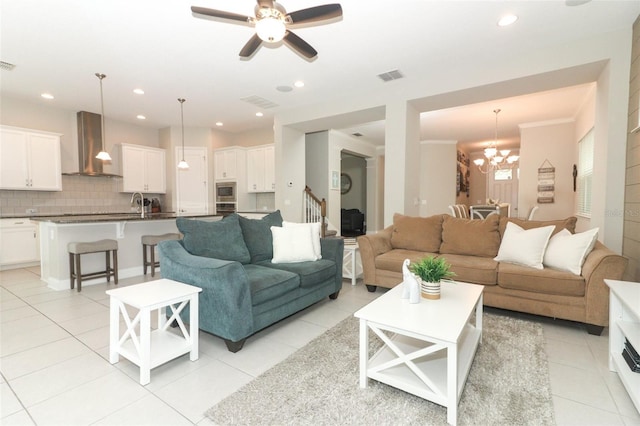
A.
pixel 271 29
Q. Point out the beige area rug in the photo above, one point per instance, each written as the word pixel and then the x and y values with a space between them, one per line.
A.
pixel 318 385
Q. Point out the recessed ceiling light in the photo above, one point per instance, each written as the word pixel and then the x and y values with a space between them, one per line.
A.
pixel 259 114
pixel 141 117
pixel 219 124
pixel 47 95
pixel 299 83
pixel 138 91
pixel 507 20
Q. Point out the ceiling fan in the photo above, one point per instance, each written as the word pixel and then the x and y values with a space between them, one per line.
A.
pixel 272 21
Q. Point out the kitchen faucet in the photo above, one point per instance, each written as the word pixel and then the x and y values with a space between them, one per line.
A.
pixel 133 196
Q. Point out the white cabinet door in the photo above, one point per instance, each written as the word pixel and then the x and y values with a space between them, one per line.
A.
pixel 255 170
pixel 156 181
pixel 14 167
pixel 261 169
pixel 133 169
pixel 225 164
pixel 192 189
pixel 270 169
pixel 30 160
pixel 19 242
pixel 44 159
pixel 143 169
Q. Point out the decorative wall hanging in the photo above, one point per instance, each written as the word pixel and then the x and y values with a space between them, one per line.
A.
pixel 462 174
pixel 546 182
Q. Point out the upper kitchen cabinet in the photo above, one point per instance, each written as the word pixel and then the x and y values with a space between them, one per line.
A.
pixel 226 164
pixel 261 169
pixel 29 160
pixel 143 169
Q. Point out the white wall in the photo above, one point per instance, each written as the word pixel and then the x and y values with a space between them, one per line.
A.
pixel 535 70
pixel 539 143
pixel 437 176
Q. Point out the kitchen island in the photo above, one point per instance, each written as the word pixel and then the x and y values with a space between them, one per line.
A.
pixel 126 228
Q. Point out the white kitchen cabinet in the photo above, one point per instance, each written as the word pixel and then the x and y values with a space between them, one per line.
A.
pixel 261 169
pixel 143 169
pixel 624 325
pixel 226 164
pixel 29 160
pixel 19 243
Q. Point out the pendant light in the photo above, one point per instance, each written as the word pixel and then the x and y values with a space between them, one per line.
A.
pixel 182 164
pixel 102 155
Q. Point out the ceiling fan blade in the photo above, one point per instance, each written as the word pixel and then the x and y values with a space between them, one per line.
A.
pixel 299 45
pixel 315 14
pixel 219 14
pixel 265 3
pixel 251 46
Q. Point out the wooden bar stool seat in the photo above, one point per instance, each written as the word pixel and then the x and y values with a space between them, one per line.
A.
pixel 151 241
pixel 76 249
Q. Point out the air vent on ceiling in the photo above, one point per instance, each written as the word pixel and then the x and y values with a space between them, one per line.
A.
pixel 258 101
pixel 390 75
pixel 357 134
pixel 6 66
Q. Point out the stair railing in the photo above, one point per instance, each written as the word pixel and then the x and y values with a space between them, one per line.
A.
pixel 314 210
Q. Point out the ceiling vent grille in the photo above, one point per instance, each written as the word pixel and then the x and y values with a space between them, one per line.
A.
pixel 6 66
pixel 390 75
pixel 258 101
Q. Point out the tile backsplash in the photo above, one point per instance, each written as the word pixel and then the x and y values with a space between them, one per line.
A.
pixel 79 195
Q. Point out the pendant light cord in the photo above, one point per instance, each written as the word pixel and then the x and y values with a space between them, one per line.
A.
pixel 182 122
pixel 101 76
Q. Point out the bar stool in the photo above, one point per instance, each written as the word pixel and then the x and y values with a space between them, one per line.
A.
pixel 76 249
pixel 152 241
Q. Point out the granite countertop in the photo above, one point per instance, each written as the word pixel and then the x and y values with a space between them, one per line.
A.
pixel 110 217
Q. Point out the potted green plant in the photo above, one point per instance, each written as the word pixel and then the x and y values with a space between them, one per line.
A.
pixel 430 271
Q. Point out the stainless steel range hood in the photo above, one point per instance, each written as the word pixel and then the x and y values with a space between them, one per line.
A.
pixel 89 145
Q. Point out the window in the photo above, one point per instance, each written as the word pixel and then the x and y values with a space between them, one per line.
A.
pixel 585 175
pixel 503 174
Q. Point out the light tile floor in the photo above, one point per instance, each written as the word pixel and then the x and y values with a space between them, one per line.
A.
pixel 55 369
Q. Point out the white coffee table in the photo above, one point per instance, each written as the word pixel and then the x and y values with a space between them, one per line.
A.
pixel 428 347
pixel 149 349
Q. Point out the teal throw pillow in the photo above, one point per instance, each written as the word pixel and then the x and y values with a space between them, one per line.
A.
pixel 219 240
pixel 257 235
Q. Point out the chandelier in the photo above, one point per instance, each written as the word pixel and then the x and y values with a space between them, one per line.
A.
pixel 495 159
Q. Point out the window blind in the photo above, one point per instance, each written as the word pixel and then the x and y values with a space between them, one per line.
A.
pixel 584 180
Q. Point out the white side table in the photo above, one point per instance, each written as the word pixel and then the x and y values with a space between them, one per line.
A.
pixel 352 263
pixel 149 349
pixel 624 324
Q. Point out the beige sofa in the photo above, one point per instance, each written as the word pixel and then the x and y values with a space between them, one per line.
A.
pixel 470 246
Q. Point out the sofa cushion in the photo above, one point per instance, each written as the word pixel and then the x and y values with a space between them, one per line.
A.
pixel 524 247
pixel 546 281
pixel 311 274
pixel 567 251
pixel 292 244
pixel 473 269
pixel 417 233
pixel 268 283
pixel 221 239
pixel 568 223
pixel 257 235
pixel 473 237
pixel 392 260
pixel 314 230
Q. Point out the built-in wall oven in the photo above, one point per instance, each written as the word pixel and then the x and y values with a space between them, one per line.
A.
pixel 226 197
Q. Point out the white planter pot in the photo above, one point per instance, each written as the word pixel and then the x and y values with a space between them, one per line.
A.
pixel 429 290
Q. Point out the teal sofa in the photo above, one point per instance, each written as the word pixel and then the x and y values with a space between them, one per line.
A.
pixel 242 290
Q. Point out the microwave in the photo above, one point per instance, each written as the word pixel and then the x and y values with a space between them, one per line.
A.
pixel 225 191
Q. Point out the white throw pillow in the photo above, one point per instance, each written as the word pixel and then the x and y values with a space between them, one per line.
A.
pixel 292 244
pixel 524 247
pixel 314 229
pixel 567 251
